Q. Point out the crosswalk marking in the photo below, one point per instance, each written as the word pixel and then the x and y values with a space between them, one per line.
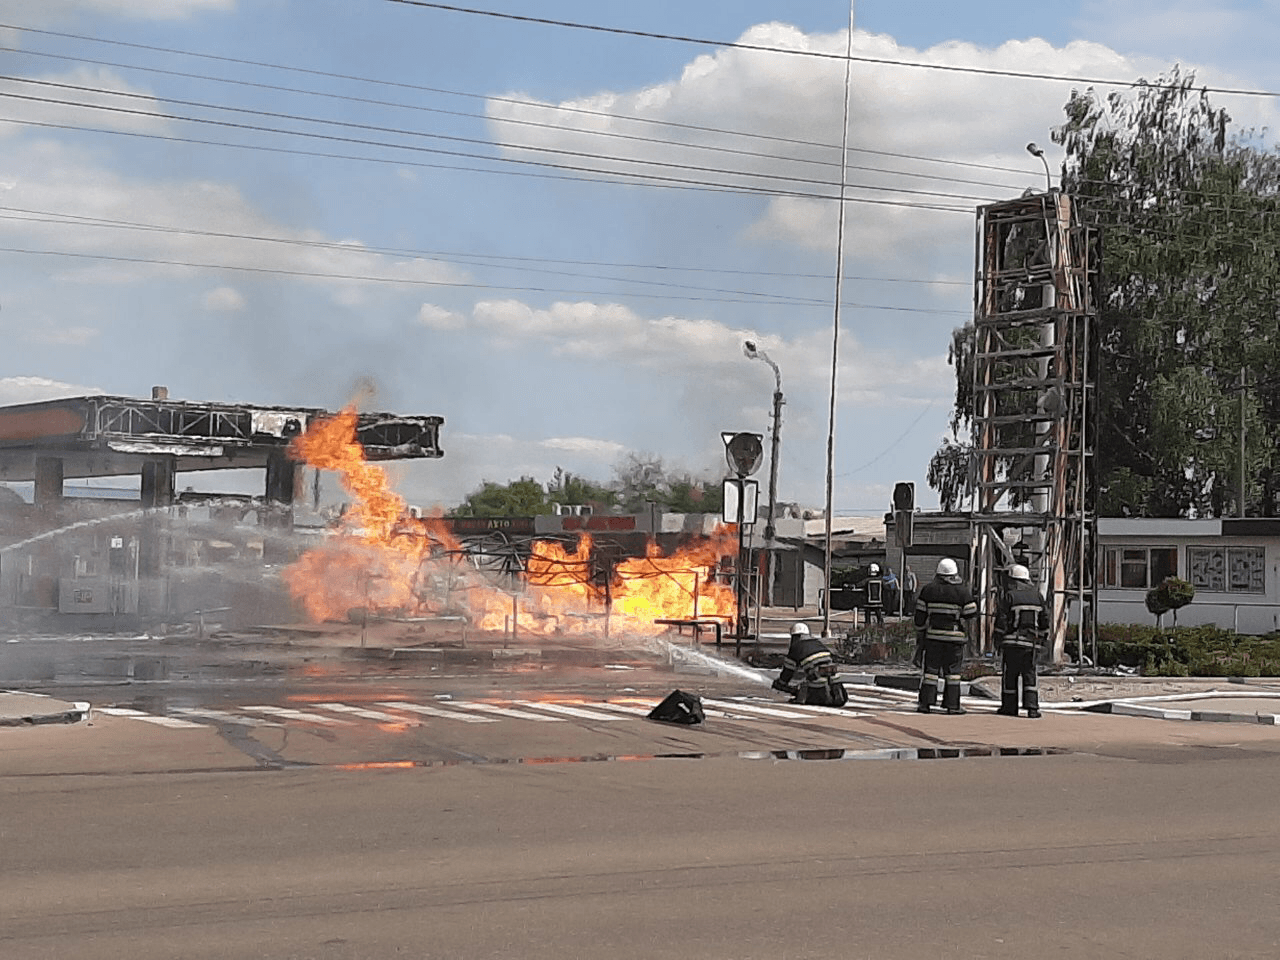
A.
pixel 806 708
pixel 556 707
pixel 542 711
pixel 223 716
pixel 172 722
pixel 434 711
pixel 754 709
pixel 507 712
pixel 624 707
pixel 378 715
pixel 290 714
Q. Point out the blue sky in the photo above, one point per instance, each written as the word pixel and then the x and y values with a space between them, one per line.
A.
pixel 410 235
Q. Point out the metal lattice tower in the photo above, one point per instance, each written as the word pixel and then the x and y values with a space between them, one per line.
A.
pixel 1034 368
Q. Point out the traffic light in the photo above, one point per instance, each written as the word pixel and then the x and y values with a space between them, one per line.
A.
pixel 744 451
pixel 904 496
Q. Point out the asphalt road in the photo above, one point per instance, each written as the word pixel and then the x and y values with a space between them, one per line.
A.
pixel 518 838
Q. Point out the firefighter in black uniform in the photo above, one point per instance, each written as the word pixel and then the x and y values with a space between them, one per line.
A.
pixel 1022 624
pixel 943 609
pixel 809 663
pixel 874 587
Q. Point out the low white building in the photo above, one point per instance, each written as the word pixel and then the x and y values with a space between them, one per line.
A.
pixel 1234 564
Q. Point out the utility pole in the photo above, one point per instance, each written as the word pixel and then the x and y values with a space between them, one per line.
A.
pixel 1240 507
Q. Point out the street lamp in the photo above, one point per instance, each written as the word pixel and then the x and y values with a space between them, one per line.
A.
pixel 753 353
pixel 1037 152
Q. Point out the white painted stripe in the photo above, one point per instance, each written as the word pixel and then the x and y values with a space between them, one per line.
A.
pixel 378 715
pixel 223 716
pixel 810 708
pixel 171 722
pixel 508 712
pixel 621 707
pixel 566 710
pixel 709 711
pixel 434 711
pixel 755 710
pixel 290 714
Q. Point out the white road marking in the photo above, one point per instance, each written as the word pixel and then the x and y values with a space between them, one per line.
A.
pixel 556 707
pixel 172 722
pixel 224 717
pixel 378 715
pixel 751 708
pixel 434 711
pixel 507 712
pixel 290 714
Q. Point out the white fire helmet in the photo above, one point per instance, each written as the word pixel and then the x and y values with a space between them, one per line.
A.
pixel 1019 572
pixel 800 630
pixel 948 570
pixel 875 569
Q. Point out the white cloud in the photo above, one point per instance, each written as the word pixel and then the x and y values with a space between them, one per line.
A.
pixel 52 178
pixel 54 334
pixel 35 389
pixel 223 300
pixel 438 318
pixel 48 11
pixel 602 449
pixel 85 96
pixel 966 118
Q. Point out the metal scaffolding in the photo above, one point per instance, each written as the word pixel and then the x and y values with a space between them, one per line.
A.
pixel 1034 401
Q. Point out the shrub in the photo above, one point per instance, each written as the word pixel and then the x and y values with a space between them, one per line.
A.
pixel 1203 651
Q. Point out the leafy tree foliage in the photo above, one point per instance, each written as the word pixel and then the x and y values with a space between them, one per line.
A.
pixel 520 498
pixel 567 488
pixel 1188 222
pixel 1188 217
pixel 641 481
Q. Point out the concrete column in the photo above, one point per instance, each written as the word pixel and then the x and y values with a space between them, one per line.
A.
pixel 158 479
pixel 48 482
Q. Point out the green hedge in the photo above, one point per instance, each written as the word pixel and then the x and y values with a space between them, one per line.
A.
pixel 1205 651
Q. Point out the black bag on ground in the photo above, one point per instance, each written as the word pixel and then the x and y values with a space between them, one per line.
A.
pixel 679 707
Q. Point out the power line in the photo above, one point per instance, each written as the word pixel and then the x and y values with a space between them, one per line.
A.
pixel 345 124
pixel 584 131
pixel 24 214
pixel 605 176
pixel 818 54
pixel 406 281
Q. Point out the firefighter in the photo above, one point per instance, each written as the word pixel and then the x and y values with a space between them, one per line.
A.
pixel 875 596
pixel 810 664
pixel 943 610
pixel 1022 624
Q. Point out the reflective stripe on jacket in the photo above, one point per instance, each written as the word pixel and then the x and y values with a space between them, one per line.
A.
pixel 1022 617
pixel 942 609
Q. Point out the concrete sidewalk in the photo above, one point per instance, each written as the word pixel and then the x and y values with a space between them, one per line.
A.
pixel 29 709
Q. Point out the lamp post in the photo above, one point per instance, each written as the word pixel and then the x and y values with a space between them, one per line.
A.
pixel 1037 152
pixel 770 530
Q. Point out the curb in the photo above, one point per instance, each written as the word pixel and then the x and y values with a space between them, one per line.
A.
pixel 80 710
pixel 1163 713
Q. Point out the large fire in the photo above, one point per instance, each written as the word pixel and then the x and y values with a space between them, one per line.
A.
pixel 384 560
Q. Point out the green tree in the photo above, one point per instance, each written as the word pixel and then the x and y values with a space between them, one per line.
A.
pixel 1192 295
pixel 568 488
pixel 519 498
pixel 1187 217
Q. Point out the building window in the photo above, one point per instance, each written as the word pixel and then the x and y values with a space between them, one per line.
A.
pixel 1228 569
pixel 1138 568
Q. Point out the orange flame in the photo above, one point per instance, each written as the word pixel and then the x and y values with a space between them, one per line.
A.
pixel 384 560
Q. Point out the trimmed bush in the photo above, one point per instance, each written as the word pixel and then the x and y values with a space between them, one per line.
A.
pixel 1204 651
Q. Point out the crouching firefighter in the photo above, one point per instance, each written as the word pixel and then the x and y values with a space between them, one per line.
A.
pixel 1022 625
pixel 809 671
pixel 943 609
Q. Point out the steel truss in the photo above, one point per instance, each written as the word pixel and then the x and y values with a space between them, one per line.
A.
pixel 1034 401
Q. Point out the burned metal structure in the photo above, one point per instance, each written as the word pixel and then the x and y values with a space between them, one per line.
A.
pixel 115 556
pixel 1034 366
